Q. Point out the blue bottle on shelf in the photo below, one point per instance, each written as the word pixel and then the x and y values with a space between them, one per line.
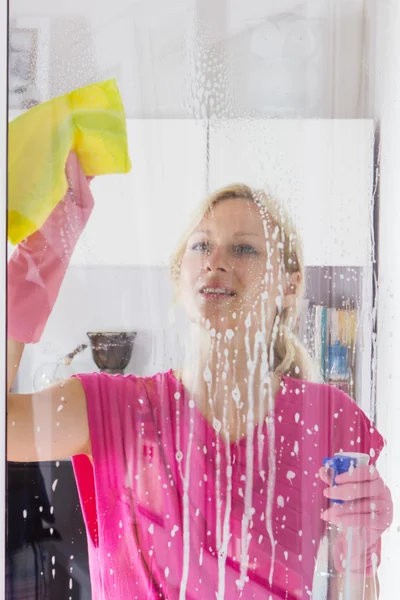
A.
pixel 338 374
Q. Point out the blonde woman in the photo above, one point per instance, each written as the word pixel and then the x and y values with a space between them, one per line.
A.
pixel 206 482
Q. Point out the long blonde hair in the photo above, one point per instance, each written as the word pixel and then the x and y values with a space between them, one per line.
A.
pixel 290 356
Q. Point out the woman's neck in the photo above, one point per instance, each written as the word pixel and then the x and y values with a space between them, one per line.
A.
pixel 230 382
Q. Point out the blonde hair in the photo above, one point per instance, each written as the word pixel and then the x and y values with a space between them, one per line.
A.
pixel 290 356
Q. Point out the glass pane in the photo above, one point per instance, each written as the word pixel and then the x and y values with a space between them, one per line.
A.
pixel 197 357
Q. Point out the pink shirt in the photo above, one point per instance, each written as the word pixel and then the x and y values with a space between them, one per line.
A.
pixel 165 492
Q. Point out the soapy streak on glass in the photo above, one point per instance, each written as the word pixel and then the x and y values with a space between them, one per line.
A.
pixel 223 523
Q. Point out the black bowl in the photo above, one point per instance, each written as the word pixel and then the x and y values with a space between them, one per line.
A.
pixel 112 350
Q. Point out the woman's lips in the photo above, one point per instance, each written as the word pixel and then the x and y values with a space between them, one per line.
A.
pixel 217 293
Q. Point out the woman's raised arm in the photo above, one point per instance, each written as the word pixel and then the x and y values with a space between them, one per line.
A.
pixel 51 424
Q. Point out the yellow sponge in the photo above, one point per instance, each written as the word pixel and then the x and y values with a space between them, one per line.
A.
pixel 90 121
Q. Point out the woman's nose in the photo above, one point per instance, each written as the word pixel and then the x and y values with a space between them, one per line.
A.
pixel 217 260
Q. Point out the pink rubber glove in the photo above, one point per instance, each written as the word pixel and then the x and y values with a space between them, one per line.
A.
pixel 38 265
pixel 367 509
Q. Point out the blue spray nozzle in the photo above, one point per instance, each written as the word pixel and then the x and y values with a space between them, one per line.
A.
pixel 339 464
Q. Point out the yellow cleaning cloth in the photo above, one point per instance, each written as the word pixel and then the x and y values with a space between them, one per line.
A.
pixel 90 121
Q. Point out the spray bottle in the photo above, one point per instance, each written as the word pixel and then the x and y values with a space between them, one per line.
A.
pixel 324 573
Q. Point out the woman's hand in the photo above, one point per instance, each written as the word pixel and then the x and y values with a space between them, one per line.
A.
pixel 367 509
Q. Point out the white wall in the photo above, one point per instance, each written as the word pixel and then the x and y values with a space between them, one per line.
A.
pixel 139 216
pixel 321 169
pixel 105 298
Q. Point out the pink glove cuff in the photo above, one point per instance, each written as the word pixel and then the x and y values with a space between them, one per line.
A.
pixel 38 265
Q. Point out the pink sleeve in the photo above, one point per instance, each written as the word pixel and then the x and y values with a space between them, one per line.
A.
pixel 116 406
pixel 353 431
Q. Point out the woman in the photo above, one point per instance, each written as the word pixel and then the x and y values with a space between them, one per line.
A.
pixel 206 482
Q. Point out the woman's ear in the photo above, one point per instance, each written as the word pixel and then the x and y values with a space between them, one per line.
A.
pixel 290 294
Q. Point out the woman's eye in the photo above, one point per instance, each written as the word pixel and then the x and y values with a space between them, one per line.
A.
pixel 245 249
pixel 202 246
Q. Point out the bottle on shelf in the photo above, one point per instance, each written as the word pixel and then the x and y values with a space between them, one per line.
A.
pixel 338 374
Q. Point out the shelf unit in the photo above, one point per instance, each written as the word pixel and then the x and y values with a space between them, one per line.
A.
pixel 344 289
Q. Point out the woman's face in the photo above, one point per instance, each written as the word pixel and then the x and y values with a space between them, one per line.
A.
pixel 230 260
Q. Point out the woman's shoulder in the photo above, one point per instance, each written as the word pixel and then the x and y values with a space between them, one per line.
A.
pixel 320 399
pixel 334 413
pixel 314 391
pixel 126 387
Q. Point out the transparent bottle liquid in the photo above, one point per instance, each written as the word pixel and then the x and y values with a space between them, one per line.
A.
pixel 325 573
